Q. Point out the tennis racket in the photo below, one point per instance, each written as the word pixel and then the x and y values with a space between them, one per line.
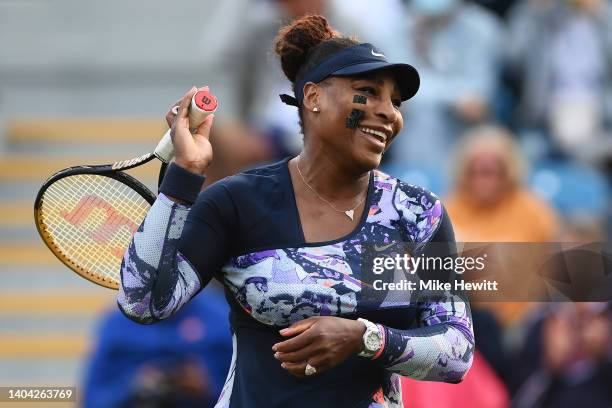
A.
pixel 86 215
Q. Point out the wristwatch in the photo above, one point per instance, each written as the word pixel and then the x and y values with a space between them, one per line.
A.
pixel 372 339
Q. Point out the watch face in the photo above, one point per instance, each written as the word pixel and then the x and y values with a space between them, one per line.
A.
pixel 373 341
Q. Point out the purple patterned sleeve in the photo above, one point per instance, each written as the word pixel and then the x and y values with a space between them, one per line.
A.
pixel 156 280
pixel 441 349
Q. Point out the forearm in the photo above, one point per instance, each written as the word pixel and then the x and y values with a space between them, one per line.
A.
pixel 155 279
pixel 441 351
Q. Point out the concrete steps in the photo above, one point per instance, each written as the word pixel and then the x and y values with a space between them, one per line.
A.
pixel 37 169
pixel 84 130
pixel 92 88
pixel 48 313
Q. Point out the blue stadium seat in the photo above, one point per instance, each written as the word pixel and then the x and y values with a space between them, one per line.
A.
pixel 429 178
pixel 575 189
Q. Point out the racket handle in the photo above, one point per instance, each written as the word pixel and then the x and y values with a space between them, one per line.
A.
pixel 164 150
pixel 203 104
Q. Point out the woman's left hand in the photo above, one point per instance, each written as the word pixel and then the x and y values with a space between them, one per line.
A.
pixel 321 341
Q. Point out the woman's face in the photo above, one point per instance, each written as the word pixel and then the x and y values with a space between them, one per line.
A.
pixel 487 179
pixel 361 147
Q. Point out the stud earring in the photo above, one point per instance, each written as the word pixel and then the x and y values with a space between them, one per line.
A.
pixel 315 109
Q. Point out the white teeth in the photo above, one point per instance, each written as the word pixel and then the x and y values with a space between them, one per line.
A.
pixel 378 133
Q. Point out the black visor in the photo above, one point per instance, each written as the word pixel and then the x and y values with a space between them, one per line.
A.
pixel 355 60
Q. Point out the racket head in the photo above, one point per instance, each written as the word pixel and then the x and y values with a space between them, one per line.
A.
pixel 86 215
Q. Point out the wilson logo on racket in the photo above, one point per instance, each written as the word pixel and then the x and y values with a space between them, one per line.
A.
pixel 106 230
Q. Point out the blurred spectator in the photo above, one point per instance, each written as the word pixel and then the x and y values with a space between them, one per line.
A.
pixel 181 362
pixel 566 360
pixel 489 202
pixel 455 47
pixel 561 53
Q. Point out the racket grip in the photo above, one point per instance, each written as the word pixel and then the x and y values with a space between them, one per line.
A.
pixel 203 104
pixel 164 150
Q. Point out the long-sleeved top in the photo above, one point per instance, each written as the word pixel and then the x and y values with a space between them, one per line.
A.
pixel 245 231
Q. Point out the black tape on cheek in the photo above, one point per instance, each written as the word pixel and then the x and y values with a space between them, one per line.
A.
pixel 353 120
pixel 360 99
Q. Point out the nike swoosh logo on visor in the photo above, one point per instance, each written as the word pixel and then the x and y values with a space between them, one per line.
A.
pixel 377 54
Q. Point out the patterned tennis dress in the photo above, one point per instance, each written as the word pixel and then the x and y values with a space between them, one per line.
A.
pixel 245 232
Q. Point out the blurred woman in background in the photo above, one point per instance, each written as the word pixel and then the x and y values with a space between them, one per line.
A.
pixel 489 202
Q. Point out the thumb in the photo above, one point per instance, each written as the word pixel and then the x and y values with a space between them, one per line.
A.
pixel 183 110
pixel 205 127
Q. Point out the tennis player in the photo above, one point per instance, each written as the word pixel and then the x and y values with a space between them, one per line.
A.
pixel 285 241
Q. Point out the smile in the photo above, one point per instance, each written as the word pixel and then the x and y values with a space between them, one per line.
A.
pixel 377 133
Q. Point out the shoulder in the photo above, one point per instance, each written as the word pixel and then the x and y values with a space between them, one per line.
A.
pixel 250 181
pixel 251 194
pixel 262 181
pixel 420 211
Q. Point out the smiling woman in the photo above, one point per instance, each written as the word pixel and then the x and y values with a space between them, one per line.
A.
pixel 359 132
pixel 288 240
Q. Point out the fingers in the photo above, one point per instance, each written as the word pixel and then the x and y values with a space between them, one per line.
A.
pixel 293 344
pixel 183 109
pixel 299 330
pixel 180 125
pixel 298 327
pixel 185 102
pixel 296 343
pixel 297 356
pixel 296 369
pixel 181 103
pixel 320 363
pixel 172 113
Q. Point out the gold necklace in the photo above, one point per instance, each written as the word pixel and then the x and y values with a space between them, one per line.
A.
pixel 349 213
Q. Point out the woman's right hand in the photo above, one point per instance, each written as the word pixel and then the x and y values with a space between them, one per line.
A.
pixel 193 152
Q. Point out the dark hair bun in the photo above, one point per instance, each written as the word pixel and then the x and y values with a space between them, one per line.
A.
pixel 296 39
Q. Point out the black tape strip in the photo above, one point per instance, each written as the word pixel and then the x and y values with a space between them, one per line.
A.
pixel 353 120
pixel 360 99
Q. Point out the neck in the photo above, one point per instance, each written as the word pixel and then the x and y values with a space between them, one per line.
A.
pixel 330 178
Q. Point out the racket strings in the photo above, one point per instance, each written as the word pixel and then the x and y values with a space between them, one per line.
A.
pixel 89 220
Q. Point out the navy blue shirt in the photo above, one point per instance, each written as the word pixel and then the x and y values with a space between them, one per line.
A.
pixel 245 231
